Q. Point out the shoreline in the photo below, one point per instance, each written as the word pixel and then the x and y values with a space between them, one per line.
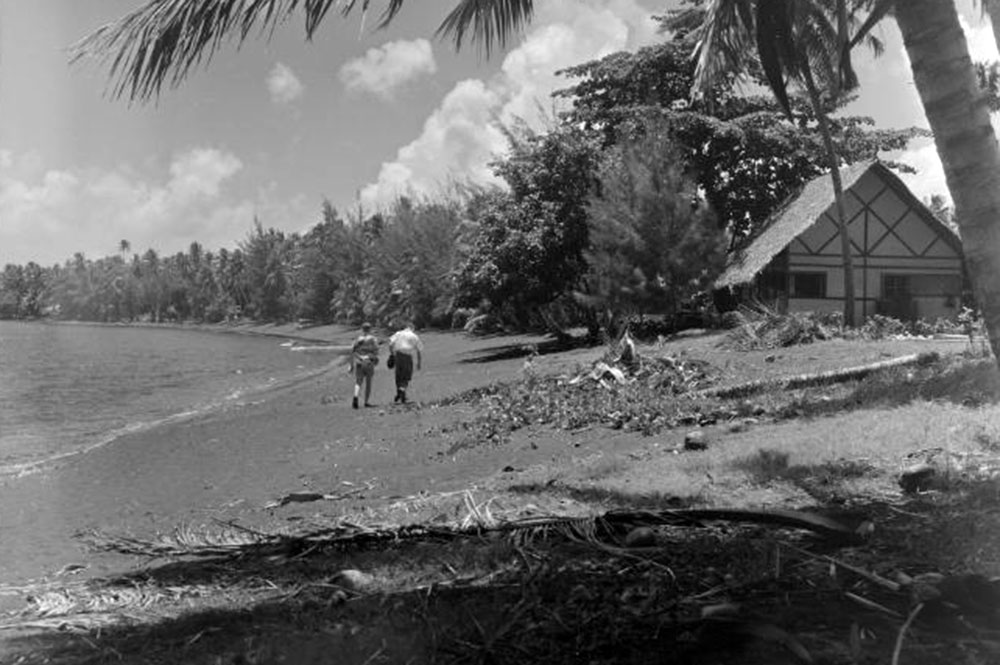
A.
pixel 262 329
pixel 231 461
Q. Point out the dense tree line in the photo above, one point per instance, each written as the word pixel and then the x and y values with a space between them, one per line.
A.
pixel 626 205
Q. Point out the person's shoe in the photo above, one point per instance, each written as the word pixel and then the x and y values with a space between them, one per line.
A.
pixel 402 397
pixel 368 405
pixel 354 403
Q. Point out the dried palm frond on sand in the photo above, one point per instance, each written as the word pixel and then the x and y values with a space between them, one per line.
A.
pixel 609 526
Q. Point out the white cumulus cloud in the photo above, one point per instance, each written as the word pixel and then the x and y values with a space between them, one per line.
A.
pixel 381 71
pixel 284 85
pixel 461 136
pixel 47 214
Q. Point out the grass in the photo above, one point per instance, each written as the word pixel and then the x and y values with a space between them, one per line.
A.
pixel 703 594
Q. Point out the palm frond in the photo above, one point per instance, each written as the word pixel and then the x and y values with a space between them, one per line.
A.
pixel 159 43
pixel 492 22
pixel 776 46
pixel 235 540
pixel 724 46
pixel 877 10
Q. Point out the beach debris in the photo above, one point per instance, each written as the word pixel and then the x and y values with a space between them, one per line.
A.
pixel 641 536
pixel 236 540
pixel 766 329
pixel 938 469
pixel 308 497
pixel 72 569
pixel 602 373
pixel 695 440
pixel 917 478
pixel 628 356
pixel 674 373
pixel 353 580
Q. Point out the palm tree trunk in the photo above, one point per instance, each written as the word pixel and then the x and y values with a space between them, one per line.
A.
pixel 838 195
pixel 960 121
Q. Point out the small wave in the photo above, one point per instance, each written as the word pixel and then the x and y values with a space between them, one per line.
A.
pixel 321 348
pixel 270 386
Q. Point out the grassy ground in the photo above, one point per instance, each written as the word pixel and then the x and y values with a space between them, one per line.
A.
pixel 468 572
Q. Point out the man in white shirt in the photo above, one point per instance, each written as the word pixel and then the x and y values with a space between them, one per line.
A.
pixel 403 346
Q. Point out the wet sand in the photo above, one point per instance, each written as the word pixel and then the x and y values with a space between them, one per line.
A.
pixel 230 464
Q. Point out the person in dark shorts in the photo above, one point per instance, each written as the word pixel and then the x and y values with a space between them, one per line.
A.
pixel 364 358
pixel 405 348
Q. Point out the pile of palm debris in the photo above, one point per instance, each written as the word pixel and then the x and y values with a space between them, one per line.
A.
pixel 623 364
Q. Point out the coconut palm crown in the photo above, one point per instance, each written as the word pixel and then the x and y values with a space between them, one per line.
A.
pixel 160 42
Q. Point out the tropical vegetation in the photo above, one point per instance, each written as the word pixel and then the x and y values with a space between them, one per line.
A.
pixel 626 205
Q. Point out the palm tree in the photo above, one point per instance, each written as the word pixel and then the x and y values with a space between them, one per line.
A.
pixel 966 143
pixel 162 40
pixel 797 40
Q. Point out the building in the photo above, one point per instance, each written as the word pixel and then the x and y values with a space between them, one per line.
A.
pixel 907 263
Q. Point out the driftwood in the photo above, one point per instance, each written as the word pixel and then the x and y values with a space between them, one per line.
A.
pixel 819 378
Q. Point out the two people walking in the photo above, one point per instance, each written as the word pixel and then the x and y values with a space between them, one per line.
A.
pixel 405 347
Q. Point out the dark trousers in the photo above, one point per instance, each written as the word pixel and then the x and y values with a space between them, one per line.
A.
pixel 404 370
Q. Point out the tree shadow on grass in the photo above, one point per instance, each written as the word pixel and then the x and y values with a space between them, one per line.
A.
pixel 967 383
pixel 830 483
pixel 512 351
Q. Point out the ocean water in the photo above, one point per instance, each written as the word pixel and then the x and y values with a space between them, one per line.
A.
pixel 65 389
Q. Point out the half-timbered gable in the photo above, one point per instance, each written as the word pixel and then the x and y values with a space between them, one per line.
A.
pixel 907 264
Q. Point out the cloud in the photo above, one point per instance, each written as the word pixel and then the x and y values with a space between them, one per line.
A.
pixel 381 71
pixel 457 142
pixel 460 137
pixel 48 214
pixel 283 85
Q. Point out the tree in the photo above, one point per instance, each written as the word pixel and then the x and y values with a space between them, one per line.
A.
pixel 13 290
pixel 654 244
pixel 528 248
pixel 743 152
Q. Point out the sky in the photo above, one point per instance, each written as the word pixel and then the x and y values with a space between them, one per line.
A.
pixel 357 116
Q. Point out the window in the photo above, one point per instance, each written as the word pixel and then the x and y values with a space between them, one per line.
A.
pixel 808 284
pixel 920 286
pixel 896 287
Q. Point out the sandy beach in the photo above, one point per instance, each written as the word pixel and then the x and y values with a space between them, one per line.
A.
pixel 229 464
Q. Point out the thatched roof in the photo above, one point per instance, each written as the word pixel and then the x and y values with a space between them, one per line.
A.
pixel 803 209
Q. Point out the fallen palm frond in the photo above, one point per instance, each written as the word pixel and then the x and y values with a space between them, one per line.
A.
pixel 234 539
pixel 89 606
pixel 819 378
